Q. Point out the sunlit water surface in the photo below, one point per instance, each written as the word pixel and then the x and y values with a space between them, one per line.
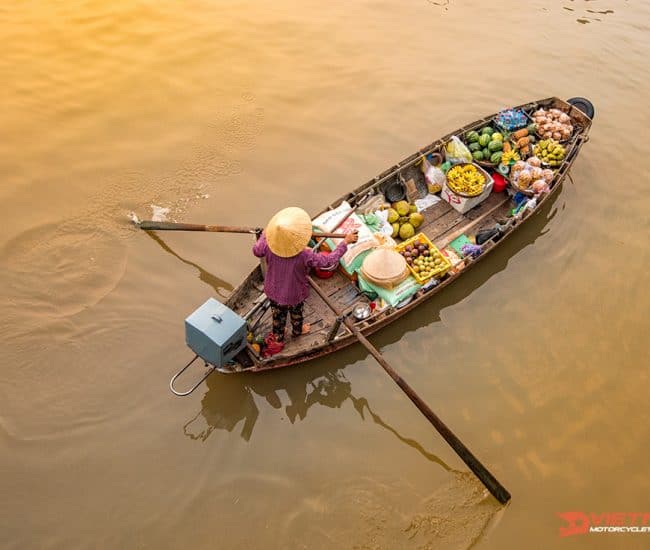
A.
pixel 225 112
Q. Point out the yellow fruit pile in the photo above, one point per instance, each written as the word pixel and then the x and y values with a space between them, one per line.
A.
pixel 405 219
pixel 466 180
pixel 550 152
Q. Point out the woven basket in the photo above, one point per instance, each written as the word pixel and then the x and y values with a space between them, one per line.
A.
pixel 484 164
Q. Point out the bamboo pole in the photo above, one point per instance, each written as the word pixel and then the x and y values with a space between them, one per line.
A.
pixel 171 226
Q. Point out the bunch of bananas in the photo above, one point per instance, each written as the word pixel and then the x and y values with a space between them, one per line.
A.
pixel 465 180
pixel 510 157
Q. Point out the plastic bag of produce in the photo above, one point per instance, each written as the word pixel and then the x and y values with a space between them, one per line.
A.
pixel 457 152
pixel 378 222
pixel 512 119
pixel 393 296
pixel 433 175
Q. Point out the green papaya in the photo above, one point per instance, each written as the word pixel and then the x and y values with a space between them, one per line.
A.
pixel 496 157
pixel 484 140
pixel 495 146
pixel 477 155
pixel 472 136
pixel 416 219
pixel 406 231
pixel 488 130
pixel 402 208
pixel 475 146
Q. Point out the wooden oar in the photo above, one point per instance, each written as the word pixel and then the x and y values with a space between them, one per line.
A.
pixel 170 226
pixel 498 491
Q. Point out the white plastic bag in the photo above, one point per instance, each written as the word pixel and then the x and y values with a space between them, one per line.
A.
pixel 457 152
pixel 433 175
pixel 386 228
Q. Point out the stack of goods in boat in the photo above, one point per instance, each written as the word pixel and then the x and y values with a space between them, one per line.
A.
pixel 511 119
pixel 423 258
pixel 467 186
pixel 553 124
pixel 461 172
pixel 486 145
pixel 344 220
pixel 395 256
pixel 404 219
pixel 550 152
pixel 529 177
pixel 515 135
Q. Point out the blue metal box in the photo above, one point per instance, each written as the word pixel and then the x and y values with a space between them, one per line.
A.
pixel 215 333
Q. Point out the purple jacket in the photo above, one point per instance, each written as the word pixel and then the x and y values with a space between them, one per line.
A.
pixel 286 278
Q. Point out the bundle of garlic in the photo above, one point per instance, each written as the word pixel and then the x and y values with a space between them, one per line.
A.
pixel 553 124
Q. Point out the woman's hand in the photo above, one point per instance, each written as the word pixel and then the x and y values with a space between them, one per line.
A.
pixel 352 237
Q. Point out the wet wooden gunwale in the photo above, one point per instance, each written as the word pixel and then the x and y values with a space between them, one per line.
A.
pixel 442 223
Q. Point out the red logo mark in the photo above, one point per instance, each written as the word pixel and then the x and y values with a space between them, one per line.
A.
pixel 578 523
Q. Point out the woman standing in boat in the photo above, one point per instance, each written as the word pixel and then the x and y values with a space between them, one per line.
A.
pixel 284 246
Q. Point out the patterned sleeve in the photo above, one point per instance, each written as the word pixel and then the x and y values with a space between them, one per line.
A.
pixel 260 247
pixel 326 261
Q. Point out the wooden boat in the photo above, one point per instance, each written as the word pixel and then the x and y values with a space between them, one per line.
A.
pixel 442 224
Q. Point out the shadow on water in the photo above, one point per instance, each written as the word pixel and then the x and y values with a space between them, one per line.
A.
pixel 221 287
pixel 230 399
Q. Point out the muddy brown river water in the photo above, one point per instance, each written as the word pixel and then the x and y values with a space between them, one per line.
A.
pixel 225 112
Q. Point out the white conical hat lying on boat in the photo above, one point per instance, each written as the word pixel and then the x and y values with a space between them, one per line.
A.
pixel 288 232
pixel 384 267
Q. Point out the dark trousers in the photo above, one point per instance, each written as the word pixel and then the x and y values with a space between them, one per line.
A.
pixel 280 319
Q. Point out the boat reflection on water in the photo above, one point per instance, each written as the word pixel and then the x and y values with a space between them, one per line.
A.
pixel 230 401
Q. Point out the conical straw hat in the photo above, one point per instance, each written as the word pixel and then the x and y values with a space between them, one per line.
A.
pixel 288 232
pixel 384 267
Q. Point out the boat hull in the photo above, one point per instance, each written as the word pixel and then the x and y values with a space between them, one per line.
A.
pixel 498 205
